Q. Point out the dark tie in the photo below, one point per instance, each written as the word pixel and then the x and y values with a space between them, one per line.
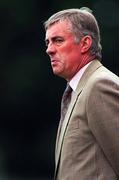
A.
pixel 66 98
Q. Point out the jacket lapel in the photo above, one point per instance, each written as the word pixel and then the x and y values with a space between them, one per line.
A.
pixel 61 130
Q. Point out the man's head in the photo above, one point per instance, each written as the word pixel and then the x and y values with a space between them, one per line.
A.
pixel 77 40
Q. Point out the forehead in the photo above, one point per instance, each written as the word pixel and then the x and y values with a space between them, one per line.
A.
pixel 58 28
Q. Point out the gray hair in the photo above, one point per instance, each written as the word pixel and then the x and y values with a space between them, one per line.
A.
pixel 83 23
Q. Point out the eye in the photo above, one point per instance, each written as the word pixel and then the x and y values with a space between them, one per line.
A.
pixel 58 41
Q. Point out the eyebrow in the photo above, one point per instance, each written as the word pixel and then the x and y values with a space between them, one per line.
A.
pixel 53 38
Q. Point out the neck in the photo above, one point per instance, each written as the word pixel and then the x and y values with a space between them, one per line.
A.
pixel 84 60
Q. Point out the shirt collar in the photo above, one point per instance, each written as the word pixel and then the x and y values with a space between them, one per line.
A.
pixel 76 78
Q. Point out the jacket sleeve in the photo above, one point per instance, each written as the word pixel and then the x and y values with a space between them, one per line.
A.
pixel 103 118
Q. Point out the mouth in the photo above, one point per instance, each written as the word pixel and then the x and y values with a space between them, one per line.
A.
pixel 54 61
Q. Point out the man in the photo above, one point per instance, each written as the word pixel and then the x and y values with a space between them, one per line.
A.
pixel 87 145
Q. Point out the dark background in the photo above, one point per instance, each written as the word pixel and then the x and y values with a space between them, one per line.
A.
pixel 29 92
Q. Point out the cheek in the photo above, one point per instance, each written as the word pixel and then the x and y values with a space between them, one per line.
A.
pixel 69 55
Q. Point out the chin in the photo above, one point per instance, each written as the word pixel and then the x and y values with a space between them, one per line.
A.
pixel 58 73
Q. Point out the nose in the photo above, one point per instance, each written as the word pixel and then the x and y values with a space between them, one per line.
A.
pixel 50 49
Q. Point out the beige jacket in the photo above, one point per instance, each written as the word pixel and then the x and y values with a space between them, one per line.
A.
pixel 87 147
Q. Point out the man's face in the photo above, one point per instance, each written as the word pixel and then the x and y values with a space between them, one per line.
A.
pixel 63 51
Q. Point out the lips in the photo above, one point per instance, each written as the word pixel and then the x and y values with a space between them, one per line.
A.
pixel 54 62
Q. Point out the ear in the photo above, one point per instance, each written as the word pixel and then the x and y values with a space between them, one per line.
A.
pixel 86 43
